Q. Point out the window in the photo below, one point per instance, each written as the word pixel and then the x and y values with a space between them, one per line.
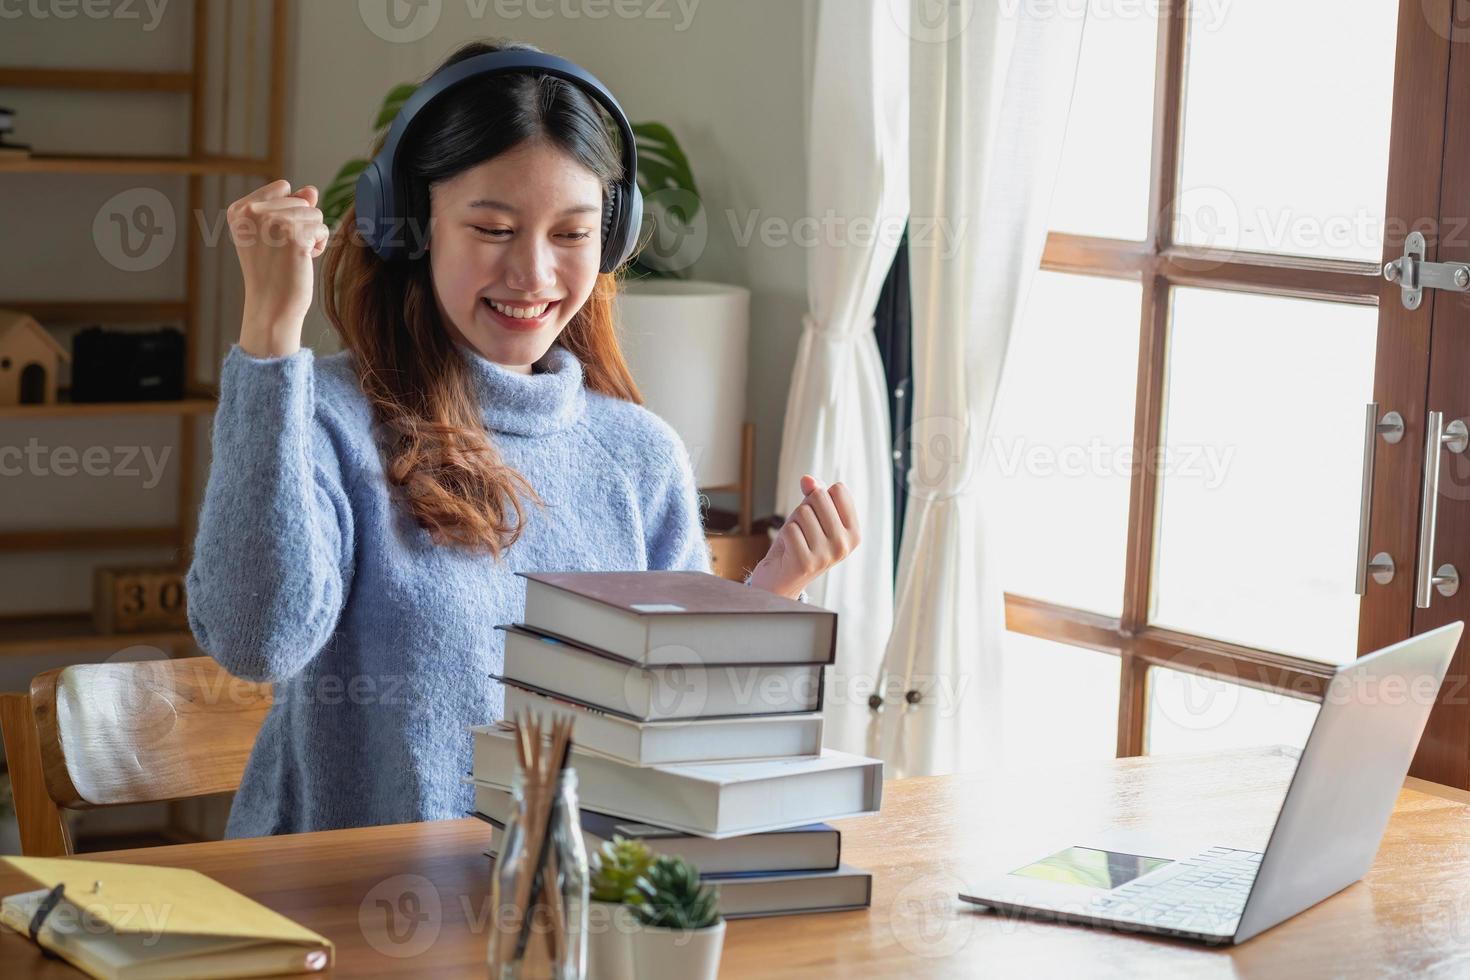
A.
pixel 1208 304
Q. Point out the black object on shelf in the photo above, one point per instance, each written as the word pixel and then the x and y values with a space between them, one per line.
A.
pixel 123 366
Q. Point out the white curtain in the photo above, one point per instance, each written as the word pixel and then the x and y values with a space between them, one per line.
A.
pixel 836 425
pixel 990 94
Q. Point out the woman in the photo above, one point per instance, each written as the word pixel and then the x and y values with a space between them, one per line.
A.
pixel 366 512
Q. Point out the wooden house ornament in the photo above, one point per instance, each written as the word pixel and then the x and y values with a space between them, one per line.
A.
pixel 30 360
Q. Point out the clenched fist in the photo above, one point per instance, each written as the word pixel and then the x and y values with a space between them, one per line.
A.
pixel 821 531
pixel 277 233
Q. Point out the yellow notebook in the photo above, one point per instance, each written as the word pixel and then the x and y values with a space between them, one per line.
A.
pixel 131 920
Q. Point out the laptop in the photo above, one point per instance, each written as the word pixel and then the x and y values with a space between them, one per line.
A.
pixel 1336 809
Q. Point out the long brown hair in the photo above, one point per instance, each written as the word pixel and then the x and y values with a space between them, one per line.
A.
pixel 439 459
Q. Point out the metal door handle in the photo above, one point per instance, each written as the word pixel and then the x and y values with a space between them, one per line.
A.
pixel 1391 428
pixel 1446 578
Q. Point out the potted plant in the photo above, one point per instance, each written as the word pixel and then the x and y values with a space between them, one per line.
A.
pixel 682 932
pixel 615 870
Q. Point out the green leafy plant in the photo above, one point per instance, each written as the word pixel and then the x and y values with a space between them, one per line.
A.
pixel 674 897
pixel 664 177
pixel 616 868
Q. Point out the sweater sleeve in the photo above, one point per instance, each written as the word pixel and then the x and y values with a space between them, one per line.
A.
pixel 273 554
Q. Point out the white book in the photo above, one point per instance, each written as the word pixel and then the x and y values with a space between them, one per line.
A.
pixel 748 896
pixel 597 678
pixel 678 617
pixel 717 799
pixel 813 847
pixel 657 743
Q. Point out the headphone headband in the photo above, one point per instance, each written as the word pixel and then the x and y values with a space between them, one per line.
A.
pixel 381 193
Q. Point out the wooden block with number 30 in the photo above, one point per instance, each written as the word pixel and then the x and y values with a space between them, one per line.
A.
pixel 132 600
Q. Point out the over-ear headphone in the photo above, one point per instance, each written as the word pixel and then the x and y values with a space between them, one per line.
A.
pixel 381 192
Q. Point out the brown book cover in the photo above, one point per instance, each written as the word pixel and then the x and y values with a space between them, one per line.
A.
pixel 680 593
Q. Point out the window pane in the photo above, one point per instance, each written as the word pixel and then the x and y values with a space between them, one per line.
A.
pixel 1286 113
pixel 1263 436
pixel 1102 186
pixel 1057 466
pixel 1060 704
pixel 1190 713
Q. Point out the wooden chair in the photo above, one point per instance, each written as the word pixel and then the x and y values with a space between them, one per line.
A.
pixel 98 735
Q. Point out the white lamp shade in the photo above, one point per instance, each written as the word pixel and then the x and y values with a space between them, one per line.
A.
pixel 685 342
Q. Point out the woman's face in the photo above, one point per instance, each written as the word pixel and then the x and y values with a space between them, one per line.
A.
pixel 518 232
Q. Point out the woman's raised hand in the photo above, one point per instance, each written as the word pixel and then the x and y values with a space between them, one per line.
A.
pixel 277 233
pixel 821 531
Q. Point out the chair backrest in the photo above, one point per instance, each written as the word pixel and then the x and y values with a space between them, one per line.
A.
pixel 142 732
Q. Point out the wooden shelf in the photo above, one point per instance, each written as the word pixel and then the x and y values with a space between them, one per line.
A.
pixel 89 539
pixel 80 164
pixel 108 311
pixel 68 633
pixel 96 80
pixel 78 410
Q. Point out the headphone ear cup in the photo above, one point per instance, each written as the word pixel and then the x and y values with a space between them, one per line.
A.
pixel 369 205
pixel 621 224
pixel 610 209
pixel 632 222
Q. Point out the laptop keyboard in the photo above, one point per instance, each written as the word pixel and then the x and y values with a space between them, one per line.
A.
pixel 1205 892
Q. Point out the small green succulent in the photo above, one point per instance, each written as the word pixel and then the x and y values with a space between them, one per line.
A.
pixel 616 868
pixel 674 897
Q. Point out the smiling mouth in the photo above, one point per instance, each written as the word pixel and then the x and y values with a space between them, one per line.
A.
pixel 521 322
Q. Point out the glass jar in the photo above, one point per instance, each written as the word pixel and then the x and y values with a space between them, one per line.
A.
pixel 548 938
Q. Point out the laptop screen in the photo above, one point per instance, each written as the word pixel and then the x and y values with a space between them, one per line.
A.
pixel 1091 867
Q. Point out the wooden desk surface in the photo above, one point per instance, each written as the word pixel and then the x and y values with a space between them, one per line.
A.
pixel 1411 915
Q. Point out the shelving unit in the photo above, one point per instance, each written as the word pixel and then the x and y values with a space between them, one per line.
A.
pixel 31 634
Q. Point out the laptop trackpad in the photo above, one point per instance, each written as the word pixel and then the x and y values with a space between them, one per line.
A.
pixel 1091 867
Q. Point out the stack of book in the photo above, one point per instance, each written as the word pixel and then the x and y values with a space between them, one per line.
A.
pixel 697 703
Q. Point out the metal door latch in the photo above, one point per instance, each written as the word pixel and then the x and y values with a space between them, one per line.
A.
pixel 1414 275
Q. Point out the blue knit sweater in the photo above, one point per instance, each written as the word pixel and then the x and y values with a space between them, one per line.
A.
pixel 380 644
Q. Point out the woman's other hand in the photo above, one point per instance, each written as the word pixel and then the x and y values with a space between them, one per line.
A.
pixel 821 531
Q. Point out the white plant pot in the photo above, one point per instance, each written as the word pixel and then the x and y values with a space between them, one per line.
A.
pixel 610 928
pixel 678 954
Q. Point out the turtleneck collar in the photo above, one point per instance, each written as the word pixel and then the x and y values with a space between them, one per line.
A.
pixel 549 399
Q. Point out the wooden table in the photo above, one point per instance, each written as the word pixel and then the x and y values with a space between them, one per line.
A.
pixel 1410 916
